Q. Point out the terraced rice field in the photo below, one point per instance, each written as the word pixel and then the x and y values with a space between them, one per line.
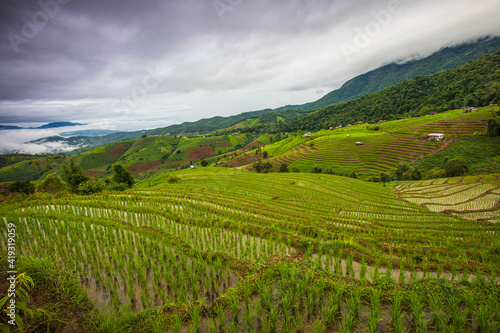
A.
pixel 474 198
pixel 233 251
pixel 451 123
pixel 378 153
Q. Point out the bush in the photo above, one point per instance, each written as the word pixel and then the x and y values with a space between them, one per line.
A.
pixel 262 167
pixel 317 169
pixel 385 177
pixel 330 171
pixel 456 167
pixel 284 167
pixel 24 187
pixel 52 184
pixel 173 179
pixel 294 169
pixel 90 186
pixel 112 186
pixel 439 173
pixel 204 163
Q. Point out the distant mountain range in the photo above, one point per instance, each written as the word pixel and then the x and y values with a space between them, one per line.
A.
pixel 46 126
pixel 81 141
pixel 291 115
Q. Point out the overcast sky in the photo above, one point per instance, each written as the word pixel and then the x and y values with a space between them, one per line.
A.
pixel 128 64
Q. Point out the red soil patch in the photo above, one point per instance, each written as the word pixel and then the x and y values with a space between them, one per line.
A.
pixel 201 152
pixel 254 143
pixel 241 160
pixel 117 151
pixel 94 173
pixel 139 167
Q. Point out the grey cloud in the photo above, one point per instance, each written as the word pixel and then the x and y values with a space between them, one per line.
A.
pixel 92 54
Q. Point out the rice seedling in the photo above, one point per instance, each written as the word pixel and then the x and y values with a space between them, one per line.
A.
pixel 351 319
pixel 374 311
pixel 417 312
pixel 439 317
pixel 318 326
pixel 397 313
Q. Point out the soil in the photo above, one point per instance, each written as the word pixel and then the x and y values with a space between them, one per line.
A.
pixel 201 152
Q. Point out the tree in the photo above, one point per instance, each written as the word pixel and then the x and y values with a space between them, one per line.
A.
pixel 74 175
pixel 258 166
pixel 204 163
pixel 494 126
pixel 385 177
pixel 52 184
pixel 24 186
pixel 456 167
pixel 266 167
pixel 265 154
pixel 284 167
pixel 144 135
pixel 122 175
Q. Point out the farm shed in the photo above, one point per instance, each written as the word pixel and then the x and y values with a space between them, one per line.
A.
pixel 435 137
pixel 359 143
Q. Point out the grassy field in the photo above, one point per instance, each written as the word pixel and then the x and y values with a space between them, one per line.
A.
pixel 225 250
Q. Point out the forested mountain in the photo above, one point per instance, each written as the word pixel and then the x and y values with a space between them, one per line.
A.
pixel 476 83
pixel 389 75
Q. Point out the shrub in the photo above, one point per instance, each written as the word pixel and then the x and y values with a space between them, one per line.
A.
pixel 204 163
pixel 330 171
pixel 52 184
pixel 440 173
pixel 456 167
pixel 294 169
pixel 90 186
pixel 385 177
pixel 317 169
pixel 117 186
pixel 24 187
pixel 284 167
pixel 173 179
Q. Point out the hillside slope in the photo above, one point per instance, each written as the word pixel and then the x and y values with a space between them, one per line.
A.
pixel 381 150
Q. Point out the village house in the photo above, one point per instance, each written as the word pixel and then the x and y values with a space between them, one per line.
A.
pixel 468 109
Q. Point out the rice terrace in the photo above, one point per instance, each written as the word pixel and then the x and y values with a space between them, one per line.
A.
pixel 373 209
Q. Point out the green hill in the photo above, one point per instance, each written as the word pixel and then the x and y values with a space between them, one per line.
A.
pixel 28 167
pixel 385 146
